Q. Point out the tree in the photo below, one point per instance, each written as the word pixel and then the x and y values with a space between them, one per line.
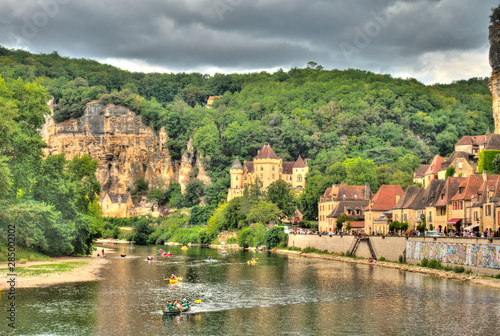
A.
pixel 263 212
pixel 280 193
pixel 274 236
pixel 245 237
pixel 142 230
pixel 309 198
pixel 450 171
pixel 195 190
pixel 495 15
pixel 344 218
pixel 359 172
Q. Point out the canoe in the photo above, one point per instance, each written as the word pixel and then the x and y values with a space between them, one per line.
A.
pixel 175 311
pixel 251 262
pixel 184 248
pixel 172 281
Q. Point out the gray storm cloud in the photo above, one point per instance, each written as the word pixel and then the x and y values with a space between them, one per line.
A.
pixel 396 37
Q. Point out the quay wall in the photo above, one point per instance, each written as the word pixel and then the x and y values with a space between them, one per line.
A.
pixel 482 255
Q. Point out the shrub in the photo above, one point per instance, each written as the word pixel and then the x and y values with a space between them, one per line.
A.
pixel 497 276
pixel 245 237
pixel 469 271
pixel 231 240
pixel 401 259
pixel 424 262
pixel 433 263
pixel 382 259
pixel 458 269
pixel 294 248
pixel 447 268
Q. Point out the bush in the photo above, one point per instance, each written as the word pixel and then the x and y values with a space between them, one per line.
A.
pixel 435 264
pixel 309 250
pixel 382 259
pixel 458 269
pixel 447 268
pixel 231 240
pixel 245 237
pixel 294 248
pixel 497 276
pixel 401 259
pixel 273 237
pixel 424 262
pixel 469 271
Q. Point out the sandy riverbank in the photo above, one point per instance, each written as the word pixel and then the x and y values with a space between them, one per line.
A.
pixel 90 271
pixel 472 278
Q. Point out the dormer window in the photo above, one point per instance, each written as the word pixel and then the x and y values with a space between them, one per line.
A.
pixel 460 190
pixel 344 195
pixel 442 196
pixel 355 196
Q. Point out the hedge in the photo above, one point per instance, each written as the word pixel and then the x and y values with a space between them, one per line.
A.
pixel 485 159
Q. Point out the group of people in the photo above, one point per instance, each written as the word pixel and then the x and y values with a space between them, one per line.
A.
pixel 176 305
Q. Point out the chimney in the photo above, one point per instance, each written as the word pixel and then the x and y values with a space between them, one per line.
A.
pixel 485 176
pixel 397 197
pixel 367 191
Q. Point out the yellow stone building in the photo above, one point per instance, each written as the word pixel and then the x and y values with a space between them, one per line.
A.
pixel 116 205
pixel 268 168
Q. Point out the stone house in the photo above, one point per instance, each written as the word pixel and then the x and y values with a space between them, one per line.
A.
pixel 419 175
pixel 116 205
pixel 465 164
pixel 432 172
pixel 268 168
pixel 408 208
pixel 339 199
pixel 375 212
pixel 485 212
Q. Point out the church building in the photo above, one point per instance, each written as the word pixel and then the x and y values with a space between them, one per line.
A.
pixel 266 167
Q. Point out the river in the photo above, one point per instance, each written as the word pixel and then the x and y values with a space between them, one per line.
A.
pixel 280 295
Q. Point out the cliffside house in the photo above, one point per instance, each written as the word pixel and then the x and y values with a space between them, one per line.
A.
pixel 210 100
pixel 342 199
pixel 485 209
pixel 435 201
pixel 266 167
pixel 465 164
pixel 432 172
pixel 116 205
pixel 379 209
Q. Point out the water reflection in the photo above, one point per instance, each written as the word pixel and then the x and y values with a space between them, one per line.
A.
pixel 279 295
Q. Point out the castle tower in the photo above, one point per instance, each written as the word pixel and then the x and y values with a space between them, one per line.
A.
pixel 299 171
pixel 236 173
pixel 267 166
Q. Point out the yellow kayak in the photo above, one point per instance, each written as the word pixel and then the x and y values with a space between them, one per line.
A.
pixel 172 281
pixel 251 262
pixel 184 248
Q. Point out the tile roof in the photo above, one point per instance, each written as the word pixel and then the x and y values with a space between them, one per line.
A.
pixel 454 156
pixel 491 184
pixel 266 153
pixel 237 164
pixel 493 142
pixel 385 198
pixel 420 172
pixel 300 163
pixel 249 166
pixel 116 197
pixel 470 187
pixel 435 165
pixel 431 196
pixel 465 141
pixel 344 192
pixel 411 196
pixel 287 167
pixel 343 206
pixel 449 189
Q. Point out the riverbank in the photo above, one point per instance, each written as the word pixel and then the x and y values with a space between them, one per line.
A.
pixel 472 278
pixel 56 271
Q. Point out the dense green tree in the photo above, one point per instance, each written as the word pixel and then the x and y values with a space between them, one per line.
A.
pixel 195 190
pixel 280 193
pixel 263 212
pixel 359 172
pixel 142 230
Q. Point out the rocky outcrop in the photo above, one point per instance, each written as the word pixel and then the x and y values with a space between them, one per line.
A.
pixel 493 83
pixel 126 149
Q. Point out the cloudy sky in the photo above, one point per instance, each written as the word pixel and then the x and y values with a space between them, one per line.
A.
pixel 431 40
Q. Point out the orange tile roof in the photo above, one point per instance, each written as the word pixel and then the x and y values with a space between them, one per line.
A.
pixel 435 165
pixel 469 188
pixel 300 163
pixel 385 198
pixel 449 189
pixel 420 172
pixel 266 153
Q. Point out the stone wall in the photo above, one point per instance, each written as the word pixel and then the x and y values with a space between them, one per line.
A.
pixel 477 251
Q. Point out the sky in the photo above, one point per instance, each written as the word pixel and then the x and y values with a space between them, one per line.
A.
pixel 430 40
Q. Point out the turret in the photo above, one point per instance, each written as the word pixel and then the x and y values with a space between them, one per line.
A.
pixel 236 173
pixel 299 171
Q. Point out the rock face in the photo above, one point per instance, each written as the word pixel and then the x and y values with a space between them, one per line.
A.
pixel 493 83
pixel 126 149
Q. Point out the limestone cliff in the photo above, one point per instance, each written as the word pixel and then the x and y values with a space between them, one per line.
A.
pixel 494 83
pixel 125 148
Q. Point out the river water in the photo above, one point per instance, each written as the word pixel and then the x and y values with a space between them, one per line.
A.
pixel 280 295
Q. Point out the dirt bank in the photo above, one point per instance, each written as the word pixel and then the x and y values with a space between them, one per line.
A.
pixel 88 269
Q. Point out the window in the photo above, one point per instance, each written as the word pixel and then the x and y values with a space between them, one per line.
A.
pixel 397 217
pixel 430 216
pixel 357 212
pixel 236 178
pixel 261 175
pixel 273 168
pixel 488 210
pixel 273 174
pixel 404 218
pixel 460 165
pixel 476 217
pixel 245 178
pixel 261 168
pixel 299 178
pixel 355 196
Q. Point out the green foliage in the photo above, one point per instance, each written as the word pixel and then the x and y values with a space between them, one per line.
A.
pixel 262 212
pixel 459 269
pixel 424 262
pixel 245 237
pixel 382 259
pixel 450 171
pixel 495 15
pixel 361 171
pixel 195 190
pixel 142 230
pixel 486 158
pixel 496 164
pixel 395 225
pixel 280 193
pixel 140 187
pixel 344 218
pixel 274 236
pixel 401 259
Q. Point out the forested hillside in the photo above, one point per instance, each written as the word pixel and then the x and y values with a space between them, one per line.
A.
pixel 327 116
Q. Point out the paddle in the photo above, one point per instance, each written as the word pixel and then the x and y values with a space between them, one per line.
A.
pixel 178 278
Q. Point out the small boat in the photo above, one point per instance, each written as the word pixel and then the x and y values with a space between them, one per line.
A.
pixel 184 248
pixel 123 255
pixel 173 281
pixel 169 255
pixel 251 262
pixel 176 311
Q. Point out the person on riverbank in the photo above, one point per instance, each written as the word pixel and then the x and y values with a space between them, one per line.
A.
pixel 103 252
